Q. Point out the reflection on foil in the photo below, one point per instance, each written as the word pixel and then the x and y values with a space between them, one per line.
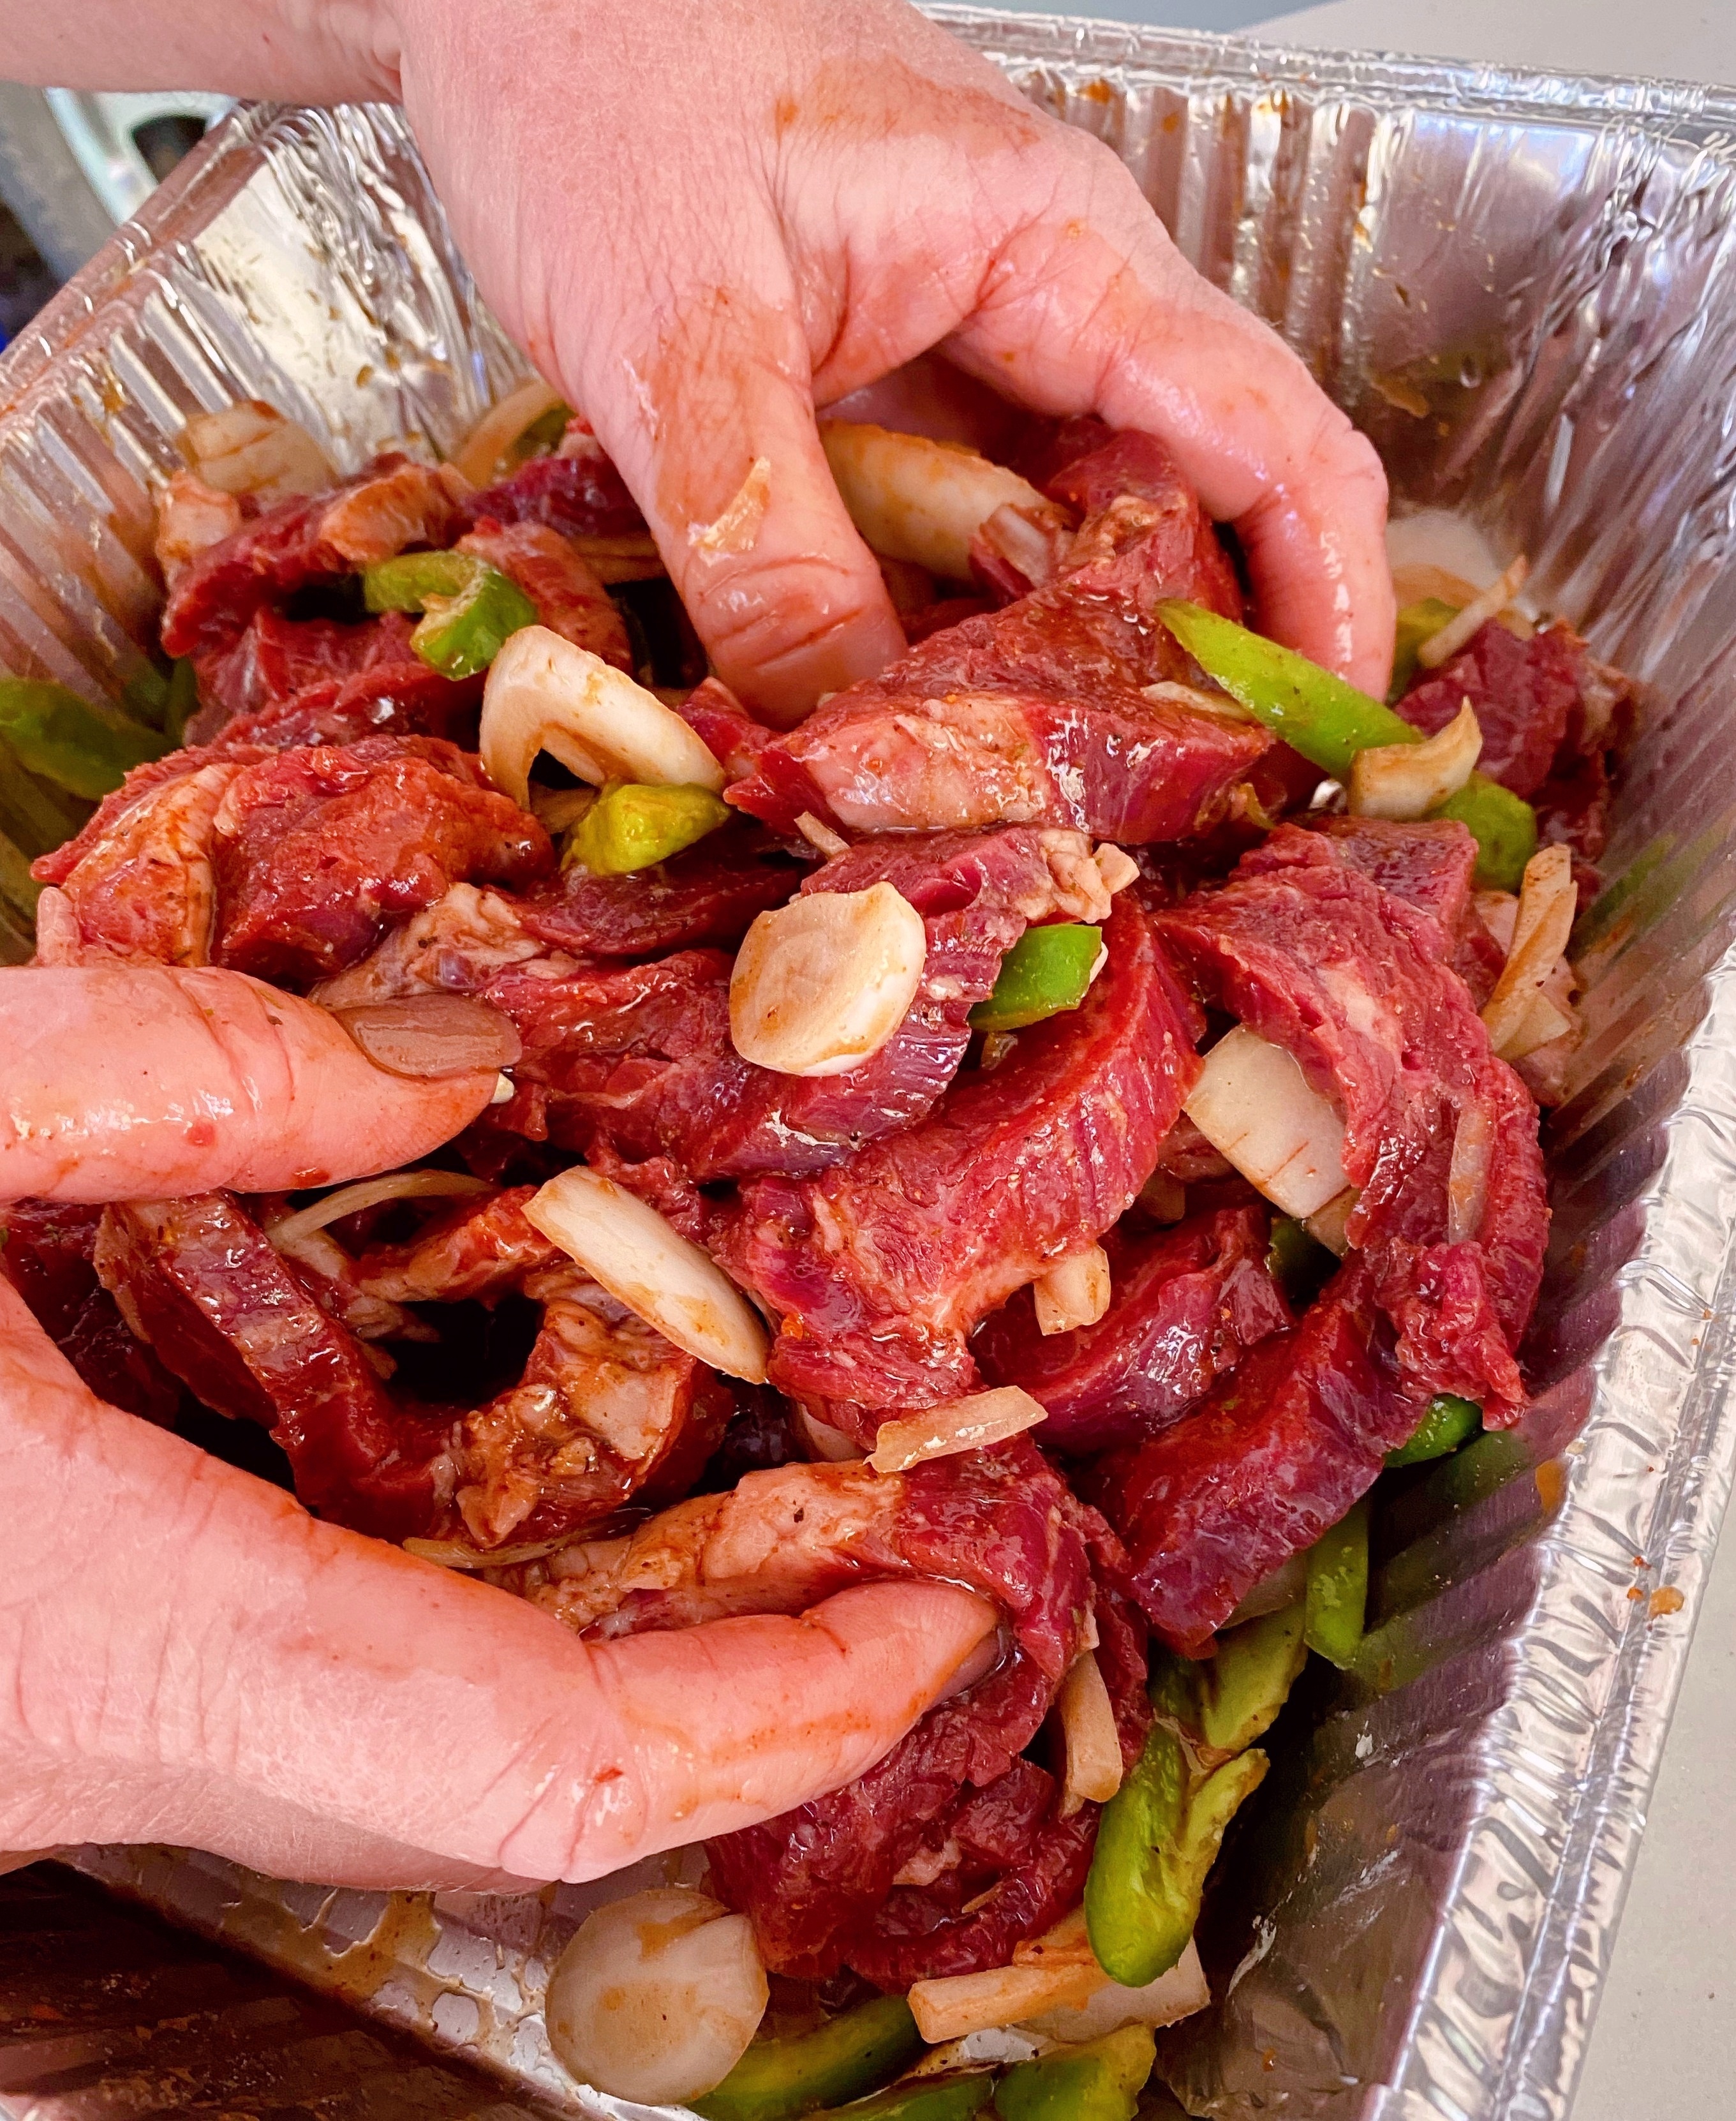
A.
pixel 1524 288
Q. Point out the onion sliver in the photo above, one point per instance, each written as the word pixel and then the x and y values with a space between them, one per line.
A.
pixel 1548 900
pixel 1255 1106
pixel 370 1193
pixel 672 1285
pixel 479 454
pixel 962 1424
pixel 1074 1293
pixel 1176 1994
pixel 961 2003
pixel 432 1036
pixel 545 694
pixel 1088 1733
pixel 915 499
pixel 453 1553
pixel 1406 780
pixel 822 983
pixel 657 1997
pixel 1441 647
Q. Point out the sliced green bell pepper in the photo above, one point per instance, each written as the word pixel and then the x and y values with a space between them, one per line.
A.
pixel 1244 1685
pixel 85 749
pixel 469 608
pixel 1300 1263
pixel 633 824
pixel 953 2098
pixel 1337 1587
pixel 1047 970
pixel 857 2051
pixel 1329 721
pixel 34 814
pixel 181 700
pixel 1417 622
pixel 1100 2082
pixel 1449 1422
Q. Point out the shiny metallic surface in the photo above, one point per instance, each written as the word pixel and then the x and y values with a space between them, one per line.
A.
pixel 1524 288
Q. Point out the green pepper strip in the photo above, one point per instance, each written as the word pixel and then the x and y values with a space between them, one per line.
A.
pixel 85 749
pixel 1299 1263
pixel 1337 1587
pixel 1449 1422
pixel 1329 721
pixel 857 2051
pixel 931 2099
pixel 1417 622
pixel 633 825
pixel 181 700
pixel 1244 1685
pixel 1047 970
pixel 470 608
pixel 1160 1834
pixel 1100 2082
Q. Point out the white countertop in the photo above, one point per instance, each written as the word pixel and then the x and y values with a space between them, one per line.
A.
pixel 1666 2024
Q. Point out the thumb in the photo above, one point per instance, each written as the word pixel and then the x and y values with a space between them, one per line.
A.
pixel 712 426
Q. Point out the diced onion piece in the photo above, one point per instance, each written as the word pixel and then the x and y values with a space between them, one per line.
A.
pixel 820 984
pixel 478 456
pixel 822 837
pixel 1255 1106
pixel 1468 1174
pixel 250 448
pixel 545 694
pixel 993 2047
pixel 1326 1225
pixel 1176 1994
pixel 453 1553
pixel 432 1036
pixel 657 1997
pixel 672 1285
pixel 1542 1024
pixel 1167 691
pixel 1406 780
pixel 370 1193
pixel 961 1424
pixel 915 499
pixel 1074 1293
pixel 1064 1943
pixel 962 2003
pixel 830 1446
pixel 1498 911
pixel 1546 902
pixel 1088 1733
pixel 1443 646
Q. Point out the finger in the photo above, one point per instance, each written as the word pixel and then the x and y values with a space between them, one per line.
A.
pixel 1104 316
pixel 719 444
pixel 138 1082
pixel 183 1651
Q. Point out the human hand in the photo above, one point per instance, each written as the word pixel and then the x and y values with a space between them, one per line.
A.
pixel 703 222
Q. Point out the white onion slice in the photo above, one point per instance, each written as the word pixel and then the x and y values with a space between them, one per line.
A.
pixel 962 1424
pixel 1116 867
pixel 1168 691
pixel 1064 1943
pixel 1546 902
pixel 250 448
pixel 1074 1293
pixel 657 1997
pixel 830 1446
pixel 1441 647
pixel 478 455
pixel 958 2004
pixel 821 984
pixel 1176 1994
pixel 1468 1173
pixel 1327 1225
pixel 1088 1733
pixel 1406 780
pixel 1255 1106
pixel 633 1252
pixel 370 1193
pixel 545 694
pixel 453 1553
pixel 820 836
pixel 916 499
pixel 432 1036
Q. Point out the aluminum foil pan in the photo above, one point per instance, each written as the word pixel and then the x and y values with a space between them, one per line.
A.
pixel 1523 287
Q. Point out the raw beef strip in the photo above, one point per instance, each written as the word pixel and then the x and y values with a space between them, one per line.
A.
pixel 711 894
pixel 580 496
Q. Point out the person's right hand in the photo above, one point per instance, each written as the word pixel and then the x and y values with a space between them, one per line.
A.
pixel 701 222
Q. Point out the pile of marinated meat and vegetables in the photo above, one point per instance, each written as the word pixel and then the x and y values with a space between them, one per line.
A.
pixel 1062 1120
